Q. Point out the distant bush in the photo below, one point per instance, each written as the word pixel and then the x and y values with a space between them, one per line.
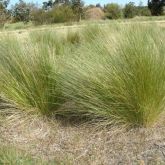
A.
pixel 143 11
pixel 39 17
pixel 4 14
pixel 130 10
pixel 59 14
pixel 62 14
pixel 113 11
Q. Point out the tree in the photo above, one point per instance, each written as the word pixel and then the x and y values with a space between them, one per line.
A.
pixel 4 13
pixel 130 10
pixel 21 11
pixel 113 11
pixel 98 5
pixel 77 6
pixel 156 7
pixel 51 3
pixel 58 14
pixel 61 2
pixel 4 3
pixel 47 5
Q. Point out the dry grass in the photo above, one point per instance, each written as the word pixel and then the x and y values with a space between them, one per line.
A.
pixel 83 144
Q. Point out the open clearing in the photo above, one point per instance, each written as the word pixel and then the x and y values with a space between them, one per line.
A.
pixel 63 142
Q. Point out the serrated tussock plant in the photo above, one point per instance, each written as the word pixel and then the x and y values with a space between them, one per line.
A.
pixel 29 75
pixel 111 74
pixel 119 78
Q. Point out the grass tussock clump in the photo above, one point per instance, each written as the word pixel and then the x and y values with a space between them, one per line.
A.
pixel 121 78
pixel 110 74
pixel 29 75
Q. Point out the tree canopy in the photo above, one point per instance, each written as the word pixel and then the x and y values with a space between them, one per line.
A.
pixel 156 6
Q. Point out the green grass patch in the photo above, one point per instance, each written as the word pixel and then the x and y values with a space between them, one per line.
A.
pixel 12 156
pixel 112 74
pixel 119 76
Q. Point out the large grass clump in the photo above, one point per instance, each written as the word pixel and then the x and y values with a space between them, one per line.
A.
pixel 30 69
pixel 110 74
pixel 29 74
pixel 119 77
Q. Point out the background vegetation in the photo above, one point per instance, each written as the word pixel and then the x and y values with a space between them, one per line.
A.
pixel 60 11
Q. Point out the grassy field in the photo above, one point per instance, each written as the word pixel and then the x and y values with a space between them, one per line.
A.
pixel 30 26
pixel 69 93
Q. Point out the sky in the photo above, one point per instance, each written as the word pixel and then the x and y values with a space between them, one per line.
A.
pixel 102 2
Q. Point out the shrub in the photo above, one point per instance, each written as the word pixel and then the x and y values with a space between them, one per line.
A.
pixel 119 78
pixel 130 10
pixel 39 17
pixel 113 11
pixel 59 14
pixel 62 14
pixel 144 11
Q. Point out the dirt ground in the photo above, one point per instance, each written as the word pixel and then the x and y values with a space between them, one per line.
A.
pixel 82 144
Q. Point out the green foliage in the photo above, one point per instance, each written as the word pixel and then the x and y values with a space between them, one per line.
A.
pixel 62 14
pixel 4 14
pixel 39 17
pixel 77 6
pixel 130 10
pixel 50 3
pixel 47 5
pixel 143 11
pixel 8 155
pixel 21 12
pixel 58 14
pixel 17 25
pixel 113 11
pixel 119 78
pixel 111 75
pixel 32 71
pixel 4 3
pixel 156 7
pixel 12 156
pixel 30 74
